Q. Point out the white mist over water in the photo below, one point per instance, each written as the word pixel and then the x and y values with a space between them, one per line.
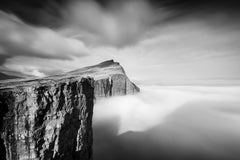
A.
pixel 169 123
pixel 154 104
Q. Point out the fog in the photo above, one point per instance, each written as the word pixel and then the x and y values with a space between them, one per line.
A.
pixel 169 122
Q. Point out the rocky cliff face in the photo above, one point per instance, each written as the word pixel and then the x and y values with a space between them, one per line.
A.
pixel 51 118
pixel 110 79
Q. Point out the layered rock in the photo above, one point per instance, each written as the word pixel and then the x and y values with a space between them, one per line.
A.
pixel 51 118
pixel 110 79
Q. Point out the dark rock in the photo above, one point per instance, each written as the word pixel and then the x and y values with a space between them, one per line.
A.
pixel 48 121
pixel 51 118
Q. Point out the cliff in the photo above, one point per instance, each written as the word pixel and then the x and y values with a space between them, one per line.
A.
pixel 47 120
pixel 110 79
pixel 51 118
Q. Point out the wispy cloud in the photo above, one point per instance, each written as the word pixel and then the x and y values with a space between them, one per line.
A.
pixel 121 24
pixel 168 43
pixel 20 39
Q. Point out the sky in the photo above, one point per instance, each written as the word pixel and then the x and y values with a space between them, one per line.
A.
pixel 156 41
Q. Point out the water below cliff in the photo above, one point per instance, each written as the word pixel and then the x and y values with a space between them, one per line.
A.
pixel 169 122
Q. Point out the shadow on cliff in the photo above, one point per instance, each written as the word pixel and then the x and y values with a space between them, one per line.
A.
pixel 3 111
pixel 195 131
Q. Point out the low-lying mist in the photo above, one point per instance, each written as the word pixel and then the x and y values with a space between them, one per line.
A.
pixel 163 122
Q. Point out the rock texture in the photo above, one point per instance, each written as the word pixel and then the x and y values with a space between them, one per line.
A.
pixel 110 79
pixel 51 118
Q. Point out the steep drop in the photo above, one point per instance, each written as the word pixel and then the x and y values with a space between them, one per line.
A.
pixel 51 118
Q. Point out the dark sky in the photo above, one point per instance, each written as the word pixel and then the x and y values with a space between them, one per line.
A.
pixel 52 12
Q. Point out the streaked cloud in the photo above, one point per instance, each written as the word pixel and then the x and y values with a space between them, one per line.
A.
pixel 166 42
pixel 20 39
pixel 121 24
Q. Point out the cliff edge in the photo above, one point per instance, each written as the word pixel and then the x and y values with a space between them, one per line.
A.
pixel 110 79
pixel 51 118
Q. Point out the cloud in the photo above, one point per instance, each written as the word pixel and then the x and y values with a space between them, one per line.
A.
pixel 120 24
pixel 181 52
pixel 143 38
pixel 35 66
pixel 20 39
pixel 154 104
pixel 42 13
pixel 28 70
pixel 171 122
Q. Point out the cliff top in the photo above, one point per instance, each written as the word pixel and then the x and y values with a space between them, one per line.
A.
pixel 99 71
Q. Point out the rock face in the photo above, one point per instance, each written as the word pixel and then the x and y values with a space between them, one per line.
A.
pixel 110 79
pixel 47 121
pixel 51 118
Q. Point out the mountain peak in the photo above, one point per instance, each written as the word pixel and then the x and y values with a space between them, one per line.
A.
pixel 103 69
pixel 108 63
